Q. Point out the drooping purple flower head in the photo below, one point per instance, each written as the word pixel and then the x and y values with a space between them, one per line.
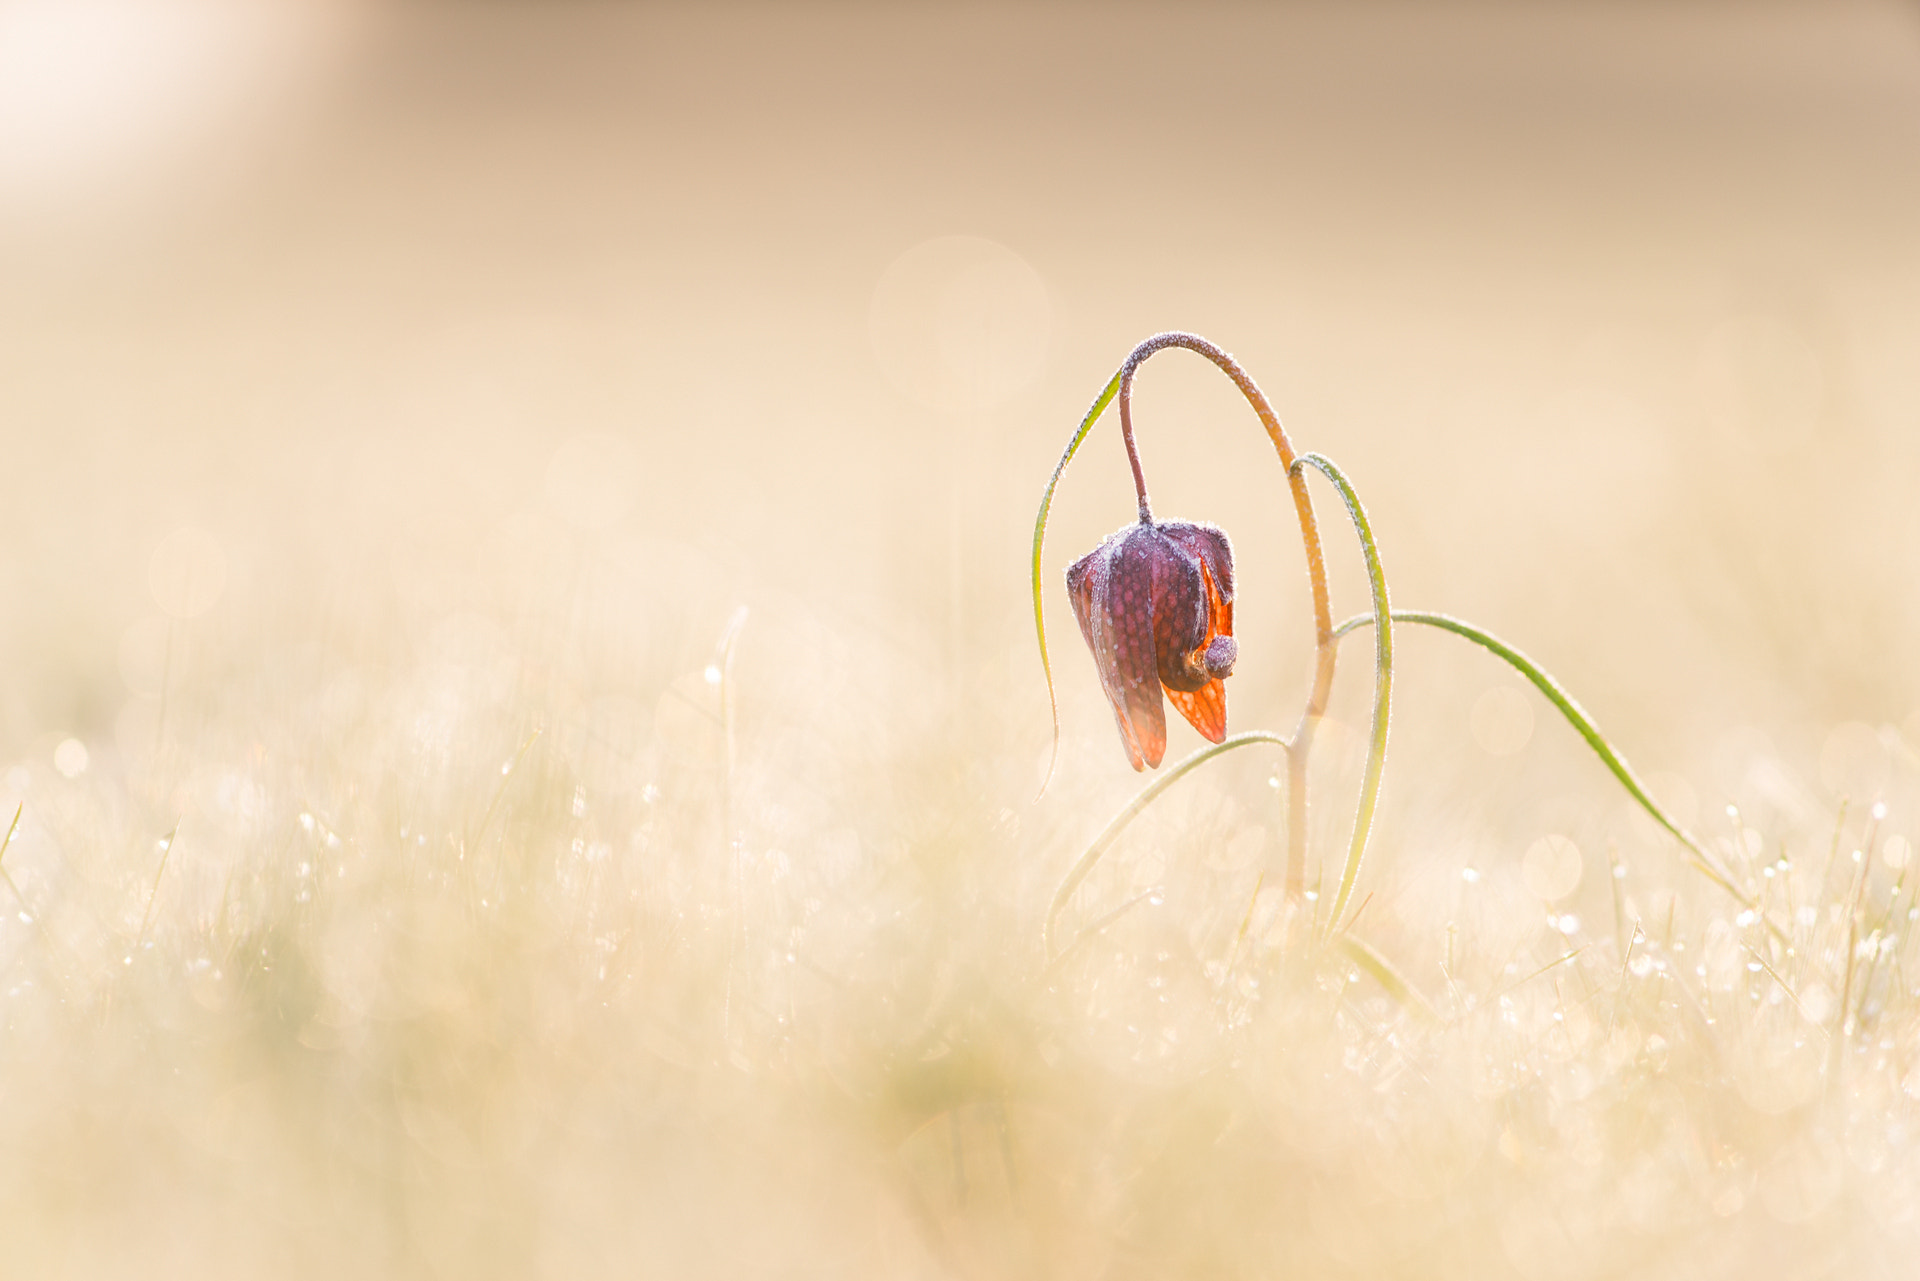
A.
pixel 1155 604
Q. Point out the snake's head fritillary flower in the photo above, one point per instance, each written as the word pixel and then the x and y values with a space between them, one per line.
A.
pixel 1155 603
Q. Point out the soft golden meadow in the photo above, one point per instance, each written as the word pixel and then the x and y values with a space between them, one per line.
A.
pixel 520 694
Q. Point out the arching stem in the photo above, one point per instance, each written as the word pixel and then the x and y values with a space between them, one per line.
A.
pixel 1324 649
pixel 1382 685
pixel 1583 723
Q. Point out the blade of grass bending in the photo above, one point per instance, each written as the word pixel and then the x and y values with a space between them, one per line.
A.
pixel 6 845
pixel 1404 994
pixel 1094 931
pixel 493 802
pixel 1147 796
pixel 1576 716
pixel 6 878
pixel 1382 685
pixel 1100 404
pixel 153 891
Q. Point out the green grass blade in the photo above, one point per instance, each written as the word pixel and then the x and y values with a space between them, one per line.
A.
pixel 1148 795
pixel 1404 994
pixel 1582 723
pixel 1382 686
pixel 1100 404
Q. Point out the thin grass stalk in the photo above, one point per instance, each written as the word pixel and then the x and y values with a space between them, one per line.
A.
pixel 153 891
pixel 1584 725
pixel 1147 796
pixel 1096 929
pixel 1404 994
pixel 1099 406
pixel 1382 685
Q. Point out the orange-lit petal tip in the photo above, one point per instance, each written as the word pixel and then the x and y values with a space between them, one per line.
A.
pixel 1205 709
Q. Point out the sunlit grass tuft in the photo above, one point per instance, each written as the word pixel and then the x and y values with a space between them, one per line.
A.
pixel 567 921
pixel 415 991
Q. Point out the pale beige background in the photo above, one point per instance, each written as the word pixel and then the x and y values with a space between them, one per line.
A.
pixel 1609 310
pixel 382 383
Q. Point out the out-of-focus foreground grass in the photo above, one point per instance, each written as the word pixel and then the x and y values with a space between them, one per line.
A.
pixel 524 720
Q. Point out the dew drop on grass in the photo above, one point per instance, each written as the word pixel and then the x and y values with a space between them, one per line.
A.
pixel 712 674
pixel 1471 875
pixel 1640 966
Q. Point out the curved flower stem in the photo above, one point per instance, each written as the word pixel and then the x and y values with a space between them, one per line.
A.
pixel 1584 725
pixel 1147 796
pixel 1324 649
pixel 1382 684
pixel 1121 385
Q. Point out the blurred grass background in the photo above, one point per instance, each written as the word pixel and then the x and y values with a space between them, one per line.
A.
pixel 393 392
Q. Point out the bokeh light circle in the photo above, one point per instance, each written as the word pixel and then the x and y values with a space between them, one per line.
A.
pixel 960 323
